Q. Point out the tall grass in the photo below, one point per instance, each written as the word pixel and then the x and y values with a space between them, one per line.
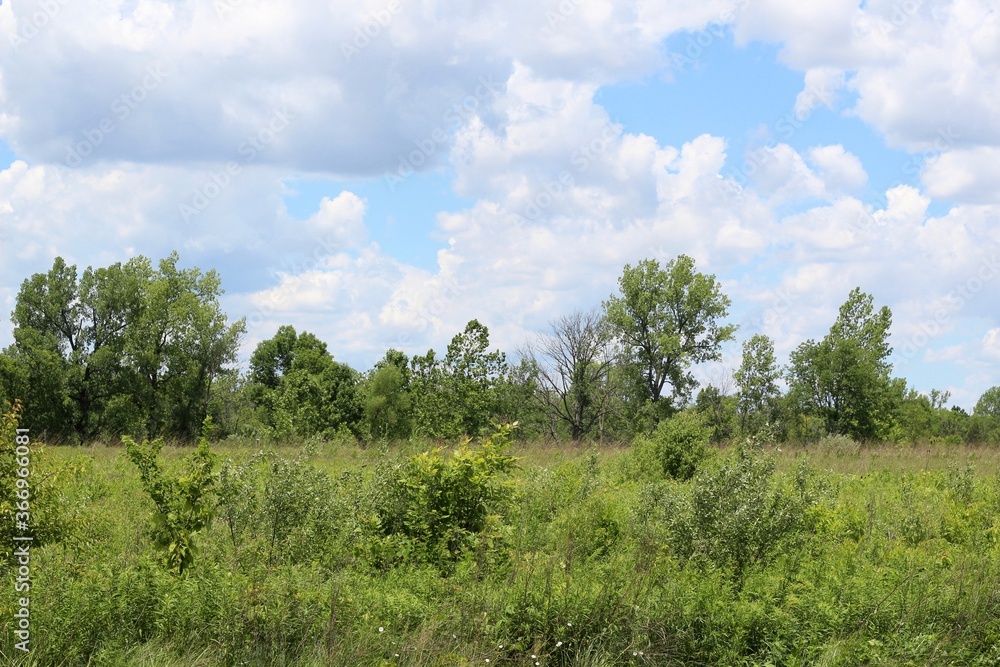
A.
pixel 885 555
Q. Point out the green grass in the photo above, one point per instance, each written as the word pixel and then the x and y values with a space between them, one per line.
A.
pixel 892 557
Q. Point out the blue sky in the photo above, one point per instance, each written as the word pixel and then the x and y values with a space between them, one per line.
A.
pixel 379 174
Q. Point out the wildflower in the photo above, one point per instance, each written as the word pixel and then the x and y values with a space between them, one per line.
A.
pixel 381 629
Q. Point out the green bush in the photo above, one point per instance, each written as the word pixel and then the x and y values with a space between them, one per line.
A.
pixel 36 499
pixel 678 445
pixel 433 508
pixel 183 504
pixel 738 516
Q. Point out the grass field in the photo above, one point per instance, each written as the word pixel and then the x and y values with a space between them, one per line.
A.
pixel 829 554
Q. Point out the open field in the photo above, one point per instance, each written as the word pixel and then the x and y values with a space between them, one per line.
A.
pixel 841 556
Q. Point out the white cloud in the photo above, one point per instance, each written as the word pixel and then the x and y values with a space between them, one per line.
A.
pixel 967 175
pixel 840 170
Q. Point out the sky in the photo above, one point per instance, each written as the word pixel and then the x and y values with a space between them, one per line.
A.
pixel 381 172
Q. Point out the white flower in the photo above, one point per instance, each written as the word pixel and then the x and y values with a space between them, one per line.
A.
pixel 558 644
pixel 381 629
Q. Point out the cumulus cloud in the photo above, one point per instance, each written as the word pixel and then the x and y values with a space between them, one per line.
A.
pixel 968 175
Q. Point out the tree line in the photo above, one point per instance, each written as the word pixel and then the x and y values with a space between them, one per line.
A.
pixel 146 351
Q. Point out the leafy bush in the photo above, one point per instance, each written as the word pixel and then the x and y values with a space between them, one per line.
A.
pixel 838 445
pixel 740 514
pixel 678 445
pixel 434 508
pixel 183 504
pixel 42 509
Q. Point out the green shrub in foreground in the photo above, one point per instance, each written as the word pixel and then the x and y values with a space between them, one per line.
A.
pixel 738 516
pixel 183 504
pixel 433 508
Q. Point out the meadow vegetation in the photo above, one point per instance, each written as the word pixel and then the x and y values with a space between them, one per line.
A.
pixel 590 504
pixel 332 553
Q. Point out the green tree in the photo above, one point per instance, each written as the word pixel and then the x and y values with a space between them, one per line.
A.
pixel 845 378
pixel 988 404
pixel 387 404
pixel 757 382
pixel 718 412
pixel 460 394
pixel 179 345
pixel 299 388
pixel 668 319
pixel 70 343
pixel 121 349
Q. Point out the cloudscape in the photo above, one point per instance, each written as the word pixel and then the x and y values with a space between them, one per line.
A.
pixel 381 172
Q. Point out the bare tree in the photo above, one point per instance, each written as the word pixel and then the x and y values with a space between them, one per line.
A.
pixel 574 361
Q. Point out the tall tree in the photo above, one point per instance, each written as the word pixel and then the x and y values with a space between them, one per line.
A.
pixel 300 390
pixel 77 329
pixel 757 381
pixel 179 344
pixel 668 319
pixel 574 360
pixel 91 356
pixel 461 393
pixel 845 378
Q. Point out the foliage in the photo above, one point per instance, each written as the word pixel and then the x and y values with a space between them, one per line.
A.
pixel 461 393
pixel 678 445
pixel 387 404
pixel 892 550
pixel 123 336
pixel 757 382
pixel 844 379
pixel 739 515
pixel 718 412
pixel 668 319
pixel 435 507
pixel 37 500
pixel 300 390
pixel 183 504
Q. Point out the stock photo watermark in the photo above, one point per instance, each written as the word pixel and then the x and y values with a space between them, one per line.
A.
pixel 31 26
pixel 22 539
pixel 698 43
pixel 953 303
pixel 943 142
pixel 370 29
pixel 581 160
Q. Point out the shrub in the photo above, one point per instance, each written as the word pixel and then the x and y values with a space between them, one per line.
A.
pixel 679 444
pixel 434 508
pixel 740 514
pixel 42 509
pixel 183 507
